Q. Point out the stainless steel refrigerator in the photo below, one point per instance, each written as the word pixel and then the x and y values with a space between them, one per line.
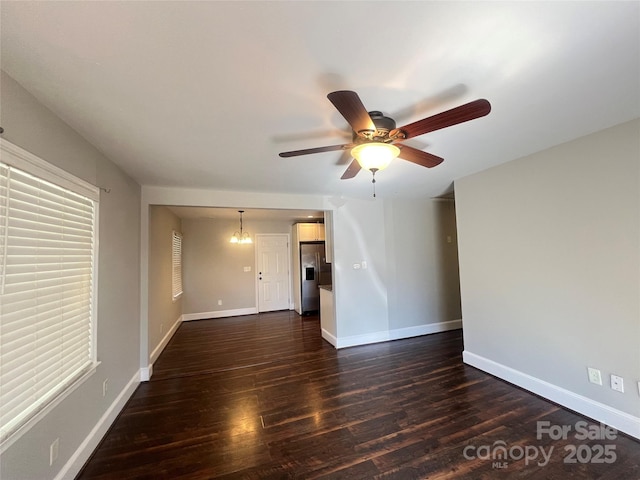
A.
pixel 315 271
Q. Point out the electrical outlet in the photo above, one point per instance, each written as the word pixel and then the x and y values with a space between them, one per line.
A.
pixel 105 386
pixel 364 265
pixel 219 302
pixel 53 451
pixel 594 376
pixel 617 383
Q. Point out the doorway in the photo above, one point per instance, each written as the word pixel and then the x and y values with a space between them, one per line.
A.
pixel 272 265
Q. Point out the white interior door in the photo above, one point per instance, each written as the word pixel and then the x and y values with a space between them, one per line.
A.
pixel 272 253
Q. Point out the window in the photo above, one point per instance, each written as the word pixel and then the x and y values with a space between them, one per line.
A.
pixel 47 285
pixel 176 265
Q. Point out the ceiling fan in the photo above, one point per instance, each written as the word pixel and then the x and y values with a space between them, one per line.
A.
pixel 376 140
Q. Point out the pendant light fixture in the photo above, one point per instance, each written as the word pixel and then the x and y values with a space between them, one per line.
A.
pixel 241 237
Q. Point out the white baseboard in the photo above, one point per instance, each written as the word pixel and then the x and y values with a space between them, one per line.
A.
pixel 329 338
pixel 617 419
pixel 145 373
pixel 219 314
pixel 89 444
pixel 163 343
pixel 397 334
pixel 426 329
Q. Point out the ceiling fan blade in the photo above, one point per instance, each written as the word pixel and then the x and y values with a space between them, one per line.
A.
pixel 418 157
pixel 352 170
pixel 350 106
pixel 344 158
pixel 461 114
pixel 307 151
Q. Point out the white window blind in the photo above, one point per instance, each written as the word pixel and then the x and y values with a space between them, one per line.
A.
pixel 176 265
pixel 47 250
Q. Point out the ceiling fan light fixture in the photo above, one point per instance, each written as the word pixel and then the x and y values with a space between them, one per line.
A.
pixel 375 155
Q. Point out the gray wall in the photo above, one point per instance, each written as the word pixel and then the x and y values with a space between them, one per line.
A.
pixel 550 264
pixel 411 278
pixel 214 268
pixel 163 311
pixel 423 265
pixel 30 125
pixel 361 301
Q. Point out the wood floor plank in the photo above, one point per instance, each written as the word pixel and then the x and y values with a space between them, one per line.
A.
pixel 264 397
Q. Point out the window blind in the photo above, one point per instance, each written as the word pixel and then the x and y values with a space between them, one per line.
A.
pixel 176 265
pixel 47 240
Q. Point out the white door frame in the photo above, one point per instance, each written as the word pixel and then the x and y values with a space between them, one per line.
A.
pixel 257 266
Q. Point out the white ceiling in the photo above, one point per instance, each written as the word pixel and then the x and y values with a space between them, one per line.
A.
pixel 205 94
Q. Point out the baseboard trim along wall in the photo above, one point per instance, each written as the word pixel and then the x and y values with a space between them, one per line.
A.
pixel 396 334
pixel 219 314
pixel 600 412
pixel 146 372
pixel 163 343
pixel 89 444
pixel 329 338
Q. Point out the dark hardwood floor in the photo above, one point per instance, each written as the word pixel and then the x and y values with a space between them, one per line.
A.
pixel 265 397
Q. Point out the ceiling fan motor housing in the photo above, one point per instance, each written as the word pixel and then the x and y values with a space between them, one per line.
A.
pixel 383 126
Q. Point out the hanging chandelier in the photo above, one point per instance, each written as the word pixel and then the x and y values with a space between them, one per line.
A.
pixel 241 237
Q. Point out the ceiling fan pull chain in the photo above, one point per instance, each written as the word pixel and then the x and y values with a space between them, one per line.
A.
pixel 373 180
